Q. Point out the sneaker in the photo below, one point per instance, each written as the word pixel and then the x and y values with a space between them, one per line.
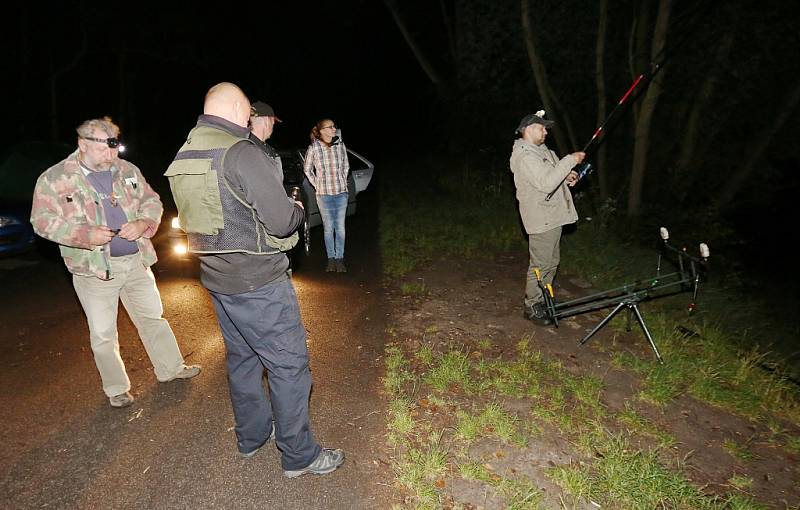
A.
pixel 340 267
pixel 121 400
pixel 327 461
pixel 537 313
pixel 247 455
pixel 331 267
pixel 187 372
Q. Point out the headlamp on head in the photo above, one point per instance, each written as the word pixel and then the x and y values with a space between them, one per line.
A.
pixel 113 143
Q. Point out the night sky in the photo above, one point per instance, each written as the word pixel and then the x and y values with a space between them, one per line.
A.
pixel 149 65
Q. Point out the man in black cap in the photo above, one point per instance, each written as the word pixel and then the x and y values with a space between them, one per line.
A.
pixel 537 171
pixel 262 120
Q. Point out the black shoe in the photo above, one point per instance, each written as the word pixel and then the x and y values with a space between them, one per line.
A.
pixel 331 267
pixel 340 267
pixel 537 313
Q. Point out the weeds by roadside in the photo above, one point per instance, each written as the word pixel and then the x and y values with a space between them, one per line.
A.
pixel 455 413
pixel 442 432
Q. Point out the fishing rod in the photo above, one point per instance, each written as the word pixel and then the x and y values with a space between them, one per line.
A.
pixel 639 84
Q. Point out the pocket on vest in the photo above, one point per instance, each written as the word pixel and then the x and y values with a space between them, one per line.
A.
pixel 195 189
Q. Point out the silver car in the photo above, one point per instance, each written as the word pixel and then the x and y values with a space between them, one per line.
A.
pixel 358 180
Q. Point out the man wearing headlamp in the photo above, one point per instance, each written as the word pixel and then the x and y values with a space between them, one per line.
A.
pixel 102 213
pixel 112 143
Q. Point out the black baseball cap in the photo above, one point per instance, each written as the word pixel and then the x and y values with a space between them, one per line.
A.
pixel 534 118
pixel 262 109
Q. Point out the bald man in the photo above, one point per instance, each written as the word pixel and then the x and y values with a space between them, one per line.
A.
pixel 248 279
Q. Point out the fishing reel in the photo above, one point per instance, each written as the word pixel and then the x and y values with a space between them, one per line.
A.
pixel 583 170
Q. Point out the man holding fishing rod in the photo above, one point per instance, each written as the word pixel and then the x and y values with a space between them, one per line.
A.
pixel 538 172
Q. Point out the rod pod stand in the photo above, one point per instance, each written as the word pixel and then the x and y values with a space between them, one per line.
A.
pixel 685 279
pixel 632 304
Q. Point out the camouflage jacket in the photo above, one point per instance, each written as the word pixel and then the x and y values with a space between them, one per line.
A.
pixel 66 205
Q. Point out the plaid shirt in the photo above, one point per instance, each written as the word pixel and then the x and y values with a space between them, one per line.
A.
pixel 327 167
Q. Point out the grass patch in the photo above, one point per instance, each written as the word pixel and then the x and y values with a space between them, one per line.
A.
pixel 450 369
pixel 737 450
pixel 413 288
pixel 625 478
pixel 708 367
pixel 420 470
pixel 637 424
pixel 793 444
pixel 493 421
pixel 704 354
pixel 397 370
pixel 741 482
pixel 422 223
pixel 617 475
pixel 518 495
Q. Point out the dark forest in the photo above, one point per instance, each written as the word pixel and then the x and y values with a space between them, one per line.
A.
pixel 709 142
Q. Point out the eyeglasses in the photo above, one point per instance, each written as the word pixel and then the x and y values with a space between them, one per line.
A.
pixel 328 127
pixel 112 143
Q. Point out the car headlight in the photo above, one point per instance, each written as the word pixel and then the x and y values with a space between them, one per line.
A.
pixel 176 223
pixel 7 221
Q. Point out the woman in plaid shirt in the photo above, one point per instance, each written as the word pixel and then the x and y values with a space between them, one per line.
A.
pixel 326 167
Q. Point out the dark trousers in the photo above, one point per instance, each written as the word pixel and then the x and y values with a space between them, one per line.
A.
pixel 262 329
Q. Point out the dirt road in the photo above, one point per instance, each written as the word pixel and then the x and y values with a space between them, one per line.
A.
pixel 63 446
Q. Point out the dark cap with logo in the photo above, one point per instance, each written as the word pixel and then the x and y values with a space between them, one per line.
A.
pixel 262 109
pixel 534 118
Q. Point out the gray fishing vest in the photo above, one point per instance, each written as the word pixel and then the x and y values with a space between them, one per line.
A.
pixel 213 215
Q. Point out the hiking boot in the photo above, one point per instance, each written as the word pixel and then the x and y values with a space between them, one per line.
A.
pixel 121 400
pixel 247 455
pixel 327 461
pixel 331 267
pixel 340 267
pixel 187 372
pixel 536 313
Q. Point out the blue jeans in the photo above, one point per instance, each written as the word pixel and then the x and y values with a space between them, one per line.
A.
pixel 262 329
pixel 332 209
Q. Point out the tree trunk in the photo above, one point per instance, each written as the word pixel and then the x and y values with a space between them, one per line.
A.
pixel 739 178
pixel 566 121
pixel 648 107
pixel 448 25
pixel 638 45
pixel 539 71
pixel 424 63
pixel 600 52
pixel 693 141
